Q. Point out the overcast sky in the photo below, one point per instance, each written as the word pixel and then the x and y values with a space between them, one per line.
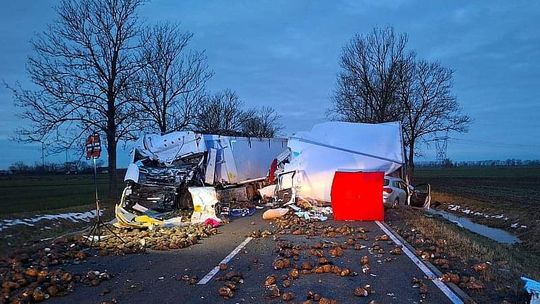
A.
pixel 285 54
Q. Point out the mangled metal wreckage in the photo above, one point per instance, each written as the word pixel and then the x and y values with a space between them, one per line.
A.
pixel 181 170
pixel 184 169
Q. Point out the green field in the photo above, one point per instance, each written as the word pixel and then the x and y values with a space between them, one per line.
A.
pixel 512 191
pixel 22 194
pixel 504 186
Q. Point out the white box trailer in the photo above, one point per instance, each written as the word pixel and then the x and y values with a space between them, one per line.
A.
pixel 240 159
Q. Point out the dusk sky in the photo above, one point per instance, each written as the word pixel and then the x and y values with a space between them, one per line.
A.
pixel 285 54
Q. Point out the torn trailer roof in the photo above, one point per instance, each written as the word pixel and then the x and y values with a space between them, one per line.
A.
pixel 315 156
pixel 231 159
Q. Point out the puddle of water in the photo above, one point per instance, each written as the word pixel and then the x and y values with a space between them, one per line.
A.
pixel 495 234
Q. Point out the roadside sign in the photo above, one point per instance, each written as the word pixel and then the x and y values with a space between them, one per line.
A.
pixel 93 146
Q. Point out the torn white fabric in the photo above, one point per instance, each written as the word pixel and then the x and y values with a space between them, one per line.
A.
pixel 341 146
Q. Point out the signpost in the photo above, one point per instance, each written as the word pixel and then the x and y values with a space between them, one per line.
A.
pixel 93 151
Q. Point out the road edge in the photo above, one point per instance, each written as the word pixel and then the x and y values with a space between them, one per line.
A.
pixel 464 297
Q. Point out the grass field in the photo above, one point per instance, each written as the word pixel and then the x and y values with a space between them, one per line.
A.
pixel 505 186
pixel 512 191
pixel 28 194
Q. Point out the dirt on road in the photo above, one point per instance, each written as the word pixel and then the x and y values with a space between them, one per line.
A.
pixel 289 260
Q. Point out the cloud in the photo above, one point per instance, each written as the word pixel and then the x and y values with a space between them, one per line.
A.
pixel 285 54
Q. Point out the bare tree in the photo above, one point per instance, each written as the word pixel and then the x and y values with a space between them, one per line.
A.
pixel 221 114
pixel 82 67
pixel 428 105
pixel 173 78
pixel 367 85
pixel 262 123
pixel 19 167
pixel 381 81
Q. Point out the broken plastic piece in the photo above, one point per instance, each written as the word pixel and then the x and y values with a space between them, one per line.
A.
pixel 274 213
pixel 204 203
pixel 267 192
pixel 212 222
pixel 242 212
pixel 533 288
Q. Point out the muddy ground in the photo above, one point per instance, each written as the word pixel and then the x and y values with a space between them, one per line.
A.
pixel 509 196
pixel 462 253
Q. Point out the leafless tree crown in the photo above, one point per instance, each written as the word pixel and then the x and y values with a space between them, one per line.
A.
pixel 368 80
pixel 173 78
pixel 381 81
pixel 82 67
pixel 97 69
pixel 263 123
pixel 223 114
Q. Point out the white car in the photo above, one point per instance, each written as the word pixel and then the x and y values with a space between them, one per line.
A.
pixel 394 191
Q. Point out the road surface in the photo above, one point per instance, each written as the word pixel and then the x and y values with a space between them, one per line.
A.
pixel 153 277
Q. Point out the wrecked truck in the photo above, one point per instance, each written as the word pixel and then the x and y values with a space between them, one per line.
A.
pixel 164 168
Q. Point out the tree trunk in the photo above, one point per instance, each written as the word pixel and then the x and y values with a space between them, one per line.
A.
pixel 163 128
pixel 113 180
pixel 410 162
pixel 111 145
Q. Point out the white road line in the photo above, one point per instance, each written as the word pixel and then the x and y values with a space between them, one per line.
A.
pixel 445 289
pixel 226 260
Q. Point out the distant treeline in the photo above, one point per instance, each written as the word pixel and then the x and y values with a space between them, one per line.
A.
pixel 72 167
pixel 85 167
pixel 511 162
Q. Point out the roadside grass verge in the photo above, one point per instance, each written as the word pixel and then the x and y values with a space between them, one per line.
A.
pixel 15 237
pixel 464 249
pixel 510 191
pixel 30 196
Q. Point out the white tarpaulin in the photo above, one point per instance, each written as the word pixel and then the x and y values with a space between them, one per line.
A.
pixel 341 146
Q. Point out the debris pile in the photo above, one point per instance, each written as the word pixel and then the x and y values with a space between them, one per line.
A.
pixel 231 281
pixel 260 234
pixel 134 241
pixel 34 277
pixel 322 257
pixel 192 280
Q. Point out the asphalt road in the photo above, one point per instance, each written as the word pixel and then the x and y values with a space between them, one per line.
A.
pixel 153 277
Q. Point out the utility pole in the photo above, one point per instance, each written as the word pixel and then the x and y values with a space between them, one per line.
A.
pixel 441 146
